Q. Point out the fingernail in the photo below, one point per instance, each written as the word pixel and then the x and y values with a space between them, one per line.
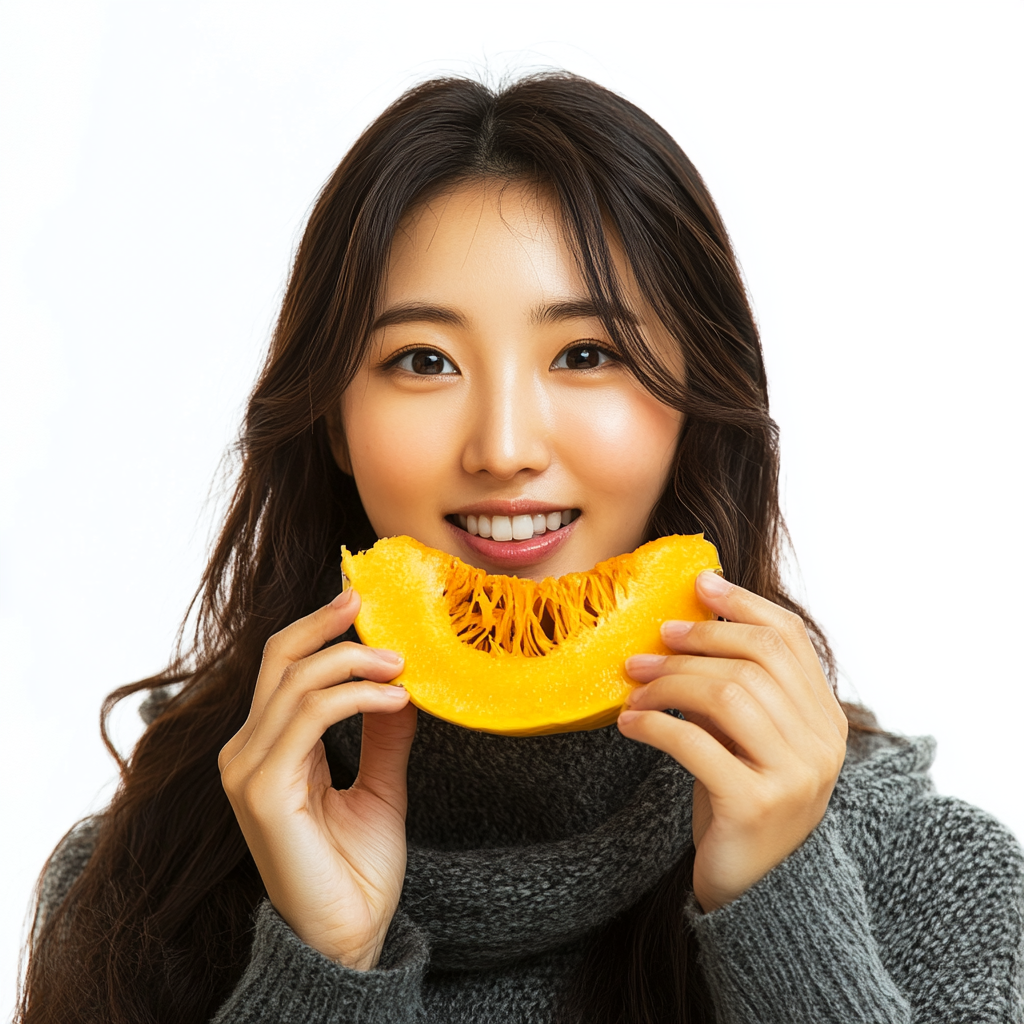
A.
pixel 626 717
pixel 675 629
pixel 639 662
pixel 343 598
pixel 394 692
pixel 713 584
pixel 386 655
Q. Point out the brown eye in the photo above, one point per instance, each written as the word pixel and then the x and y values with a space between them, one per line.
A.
pixel 582 357
pixel 426 362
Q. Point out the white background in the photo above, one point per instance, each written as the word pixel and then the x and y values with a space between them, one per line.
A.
pixel 159 159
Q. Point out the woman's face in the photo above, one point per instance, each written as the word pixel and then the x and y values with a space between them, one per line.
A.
pixel 491 418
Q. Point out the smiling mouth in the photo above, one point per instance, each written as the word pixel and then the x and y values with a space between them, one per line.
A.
pixel 512 528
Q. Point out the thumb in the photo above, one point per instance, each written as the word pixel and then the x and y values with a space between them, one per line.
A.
pixel 384 758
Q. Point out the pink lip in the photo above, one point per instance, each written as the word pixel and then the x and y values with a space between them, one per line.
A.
pixel 515 554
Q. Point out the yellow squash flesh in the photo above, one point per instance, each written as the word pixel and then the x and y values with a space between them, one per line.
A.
pixel 516 657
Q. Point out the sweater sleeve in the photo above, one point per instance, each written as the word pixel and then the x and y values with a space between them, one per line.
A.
pixel 288 982
pixel 931 931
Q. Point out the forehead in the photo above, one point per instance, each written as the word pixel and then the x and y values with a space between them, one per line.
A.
pixel 482 228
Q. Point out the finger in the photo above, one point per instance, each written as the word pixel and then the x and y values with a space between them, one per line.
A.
pixel 294 642
pixel 752 654
pixel 726 703
pixel 739 605
pixel 742 606
pixel 384 755
pixel 285 761
pixel 328 667
pixel 789 719
pixel 695 749
pixel 302 638
pixel 321 671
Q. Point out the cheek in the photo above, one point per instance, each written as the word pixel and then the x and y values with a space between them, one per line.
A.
pixel 624 445
pixel 400 454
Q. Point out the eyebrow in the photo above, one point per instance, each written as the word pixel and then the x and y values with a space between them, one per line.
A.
pixel 554 312
pixel 578 309
pixel 418 313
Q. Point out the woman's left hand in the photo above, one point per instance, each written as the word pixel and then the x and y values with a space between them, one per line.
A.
pixel 764 735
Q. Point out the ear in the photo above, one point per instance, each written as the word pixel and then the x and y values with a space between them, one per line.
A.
pixel 339 445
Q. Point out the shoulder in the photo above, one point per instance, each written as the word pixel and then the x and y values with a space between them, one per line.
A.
pixel 944 879
pixel 885 798
pixel 65 864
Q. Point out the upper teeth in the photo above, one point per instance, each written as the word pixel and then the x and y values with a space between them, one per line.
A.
pixel 516 527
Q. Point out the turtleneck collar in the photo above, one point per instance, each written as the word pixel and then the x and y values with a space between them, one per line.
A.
pixel 518 845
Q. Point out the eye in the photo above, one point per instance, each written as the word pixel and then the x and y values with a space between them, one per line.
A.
pixel 583 356
pixel 425 362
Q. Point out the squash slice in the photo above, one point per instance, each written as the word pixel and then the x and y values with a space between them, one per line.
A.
pixel 516 657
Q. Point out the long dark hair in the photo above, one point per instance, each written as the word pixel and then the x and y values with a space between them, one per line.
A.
pixel 157 927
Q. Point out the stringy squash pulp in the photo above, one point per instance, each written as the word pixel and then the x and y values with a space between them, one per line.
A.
pixel 513 656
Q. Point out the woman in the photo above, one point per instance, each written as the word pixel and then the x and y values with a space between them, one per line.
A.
pixel 522 302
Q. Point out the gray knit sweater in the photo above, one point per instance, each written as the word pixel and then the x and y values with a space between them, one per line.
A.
pixel 901 906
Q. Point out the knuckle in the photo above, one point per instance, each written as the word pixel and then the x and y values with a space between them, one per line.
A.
pixel 311 704
pixel 833 760
pixel 731 693
pixel 793 626
pixel 811 787
pixel 747 673
pixel 843 728
pixel 254 794
pixel 233 779
pixel 769 642
pixel 841 721
pixel 290 677
pixel 272 647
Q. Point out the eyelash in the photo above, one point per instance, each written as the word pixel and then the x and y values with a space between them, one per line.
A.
pixel 608 354
pixel 398 357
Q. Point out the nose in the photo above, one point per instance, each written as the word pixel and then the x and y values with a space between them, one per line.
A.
pixel 509 427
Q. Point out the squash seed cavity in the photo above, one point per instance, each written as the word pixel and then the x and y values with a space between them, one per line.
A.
pixel 508 615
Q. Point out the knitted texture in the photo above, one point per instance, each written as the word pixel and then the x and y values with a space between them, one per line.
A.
pixel 517 845
pixel 66 863
pixel 901 905
pixel 289 982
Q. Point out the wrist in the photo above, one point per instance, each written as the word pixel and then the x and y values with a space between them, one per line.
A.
pixel 342 950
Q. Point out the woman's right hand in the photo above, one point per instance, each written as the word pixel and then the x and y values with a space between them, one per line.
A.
pixel 332 861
